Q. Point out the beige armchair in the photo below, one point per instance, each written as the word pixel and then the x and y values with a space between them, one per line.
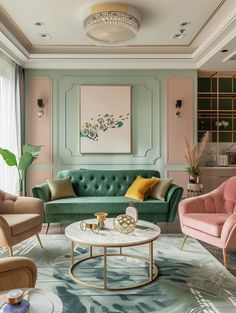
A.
pixel 20 218
pixel 17 272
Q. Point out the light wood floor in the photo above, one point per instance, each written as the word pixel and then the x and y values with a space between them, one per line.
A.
pixel 172 228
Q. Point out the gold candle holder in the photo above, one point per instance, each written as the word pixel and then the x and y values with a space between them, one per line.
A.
pixel 101 217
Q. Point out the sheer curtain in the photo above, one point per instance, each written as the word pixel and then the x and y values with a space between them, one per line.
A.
pixel 10 126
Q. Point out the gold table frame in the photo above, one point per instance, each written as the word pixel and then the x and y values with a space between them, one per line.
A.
pixel 153 269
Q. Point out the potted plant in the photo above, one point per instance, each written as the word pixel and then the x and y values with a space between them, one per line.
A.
pixel 193 158
pixel 30 153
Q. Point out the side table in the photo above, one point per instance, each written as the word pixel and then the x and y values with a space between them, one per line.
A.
pixel 194 190
pixel 41 301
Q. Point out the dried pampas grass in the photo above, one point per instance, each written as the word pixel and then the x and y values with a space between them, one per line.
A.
pixel 194 153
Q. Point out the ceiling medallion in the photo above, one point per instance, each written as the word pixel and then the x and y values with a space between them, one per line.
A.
pixel 112 23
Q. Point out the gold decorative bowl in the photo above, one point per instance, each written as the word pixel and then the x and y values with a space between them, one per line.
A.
pixel 124 223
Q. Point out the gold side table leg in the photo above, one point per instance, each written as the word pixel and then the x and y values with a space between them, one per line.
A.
pixel 72 252
pixel 105 268
pixel 151 261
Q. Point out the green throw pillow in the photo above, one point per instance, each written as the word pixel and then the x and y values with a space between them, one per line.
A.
pixel 160 190
pixel 61 188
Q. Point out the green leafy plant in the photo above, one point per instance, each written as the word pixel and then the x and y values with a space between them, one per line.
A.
pixel 30 153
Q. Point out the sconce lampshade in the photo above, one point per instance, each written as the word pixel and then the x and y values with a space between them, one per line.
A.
pixel 112 23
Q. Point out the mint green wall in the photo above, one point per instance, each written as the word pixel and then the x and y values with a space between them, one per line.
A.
pixel 148 117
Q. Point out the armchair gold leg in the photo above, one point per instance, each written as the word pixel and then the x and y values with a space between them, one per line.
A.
pixel 225 257
pixel 37 235
pixel 10 251
pixel 185 238
pixel 47 228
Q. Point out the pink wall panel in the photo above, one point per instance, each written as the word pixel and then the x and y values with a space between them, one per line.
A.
pixel 40 130
pixel 180 178
pixel 178 88
pixel 36 177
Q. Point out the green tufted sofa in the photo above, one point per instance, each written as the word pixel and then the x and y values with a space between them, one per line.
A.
pixel 103 190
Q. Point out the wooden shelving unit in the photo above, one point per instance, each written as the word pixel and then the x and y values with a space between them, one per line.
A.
pixel 217 106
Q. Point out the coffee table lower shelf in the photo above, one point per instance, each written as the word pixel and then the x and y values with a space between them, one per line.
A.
pixel 153 269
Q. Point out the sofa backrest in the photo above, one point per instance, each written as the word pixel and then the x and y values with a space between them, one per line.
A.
pixel 88 182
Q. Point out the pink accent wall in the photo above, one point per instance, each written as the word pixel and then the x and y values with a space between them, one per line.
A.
pixel 178 88
pixel 37 177
pixel 40 130
pixel 180 178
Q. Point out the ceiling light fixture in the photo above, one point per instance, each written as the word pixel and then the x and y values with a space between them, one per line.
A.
pixel 112 23
pixel 45 35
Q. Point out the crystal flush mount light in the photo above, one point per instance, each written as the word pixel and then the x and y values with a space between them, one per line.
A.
pixel 112 23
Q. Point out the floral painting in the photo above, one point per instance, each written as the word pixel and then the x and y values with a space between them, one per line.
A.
pixel 105 119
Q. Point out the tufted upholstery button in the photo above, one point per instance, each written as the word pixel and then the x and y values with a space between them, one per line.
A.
pixel 91 177
pixel 85 187
pixel 113 178
pixel 124 178
pixel 103 177
pixel 80 178
pixel 119 186
pixel 96 187
pixel 108 187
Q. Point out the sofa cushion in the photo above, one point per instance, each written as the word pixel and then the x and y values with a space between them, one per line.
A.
pixel 210 223
pixel 160 190
pixel 112 205
pixel 61 188
pixel 19 223
pixel 141 188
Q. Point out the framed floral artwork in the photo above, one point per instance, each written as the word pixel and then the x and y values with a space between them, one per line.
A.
pixel 105 119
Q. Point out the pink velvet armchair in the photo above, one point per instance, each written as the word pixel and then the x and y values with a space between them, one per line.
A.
pixel 211 217
pixel 20 218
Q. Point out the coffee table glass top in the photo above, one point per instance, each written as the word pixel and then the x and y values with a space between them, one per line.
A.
pixel 143 233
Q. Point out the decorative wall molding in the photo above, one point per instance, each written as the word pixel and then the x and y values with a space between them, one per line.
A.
pixel 145 114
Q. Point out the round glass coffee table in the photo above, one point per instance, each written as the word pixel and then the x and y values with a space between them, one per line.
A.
pixel 144 233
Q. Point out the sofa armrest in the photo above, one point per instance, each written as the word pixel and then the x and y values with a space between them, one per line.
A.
pixel 25 205
pixel 228 233
pixel 173 197
pixel 42 192
pixel 17 272
pixel 5 232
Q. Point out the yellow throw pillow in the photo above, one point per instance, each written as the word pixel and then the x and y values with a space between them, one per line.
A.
pixel 160 190
pixel 61 188
pixel 141 188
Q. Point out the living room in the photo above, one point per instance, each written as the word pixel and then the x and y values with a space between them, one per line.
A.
pixel 100 93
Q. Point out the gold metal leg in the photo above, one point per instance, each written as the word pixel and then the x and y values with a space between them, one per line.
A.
pixel 72 252
pixel 151 261
pixel 91 251
pixel 37 235
pixel 10 251
pixel 47 228
pixel 105 268
pixel 120 250
pixel 225 257
pixel 185 238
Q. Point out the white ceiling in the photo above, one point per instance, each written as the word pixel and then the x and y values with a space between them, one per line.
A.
pixel 212 28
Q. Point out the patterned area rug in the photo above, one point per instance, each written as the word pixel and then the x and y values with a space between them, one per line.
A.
pixel 189 281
